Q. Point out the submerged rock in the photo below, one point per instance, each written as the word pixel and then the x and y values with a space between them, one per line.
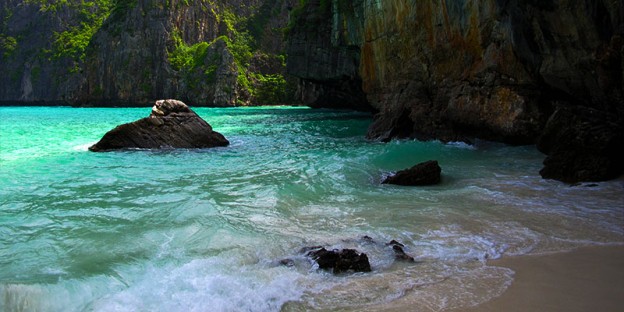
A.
pixel 350 260
pixel 287 262
pixel 172 124
pixel 399 253
pixel 339 261
pixel 426 173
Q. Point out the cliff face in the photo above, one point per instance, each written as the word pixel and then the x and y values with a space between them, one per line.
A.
pixel 215 53
pixel 130 59
pixel 127 57
pixel 324 52
pixel 463 69
pixel 31 72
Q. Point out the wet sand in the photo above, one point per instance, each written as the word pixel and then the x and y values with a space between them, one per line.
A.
pixel 586 279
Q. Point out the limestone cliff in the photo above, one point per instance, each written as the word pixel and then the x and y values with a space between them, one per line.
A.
pixel 113 52
pixel 32 70
pixel 465 69
pixel 324 52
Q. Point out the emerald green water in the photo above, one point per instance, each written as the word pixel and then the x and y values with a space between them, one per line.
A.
pixel 204 230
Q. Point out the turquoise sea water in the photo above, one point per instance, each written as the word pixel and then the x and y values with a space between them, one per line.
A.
pixel 204 230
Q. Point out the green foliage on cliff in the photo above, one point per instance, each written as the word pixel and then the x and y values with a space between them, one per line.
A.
pixel 270 89
pixel 186 57
pixel 73 42
pixel 48 5
pixel 66 36
pixel 241 35
pixel 81 20
pixel 295 15
pixel 8 45
pixel 238 39
pixel 87 18
pixel 192 62
pixel 121 5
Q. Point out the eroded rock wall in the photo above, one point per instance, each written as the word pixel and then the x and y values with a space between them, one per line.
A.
pixel 465 69
pixel 324 42
pixel 127 60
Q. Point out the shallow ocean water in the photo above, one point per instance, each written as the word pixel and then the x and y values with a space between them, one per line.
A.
pixel 204 230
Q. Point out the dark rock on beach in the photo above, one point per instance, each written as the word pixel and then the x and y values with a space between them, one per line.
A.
pixel 351 260
pixel 426 173
pixel 172 124
pixel 340 261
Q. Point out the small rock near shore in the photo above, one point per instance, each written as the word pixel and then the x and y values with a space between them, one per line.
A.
pixel 426 173
pixel 399 253
pixel 339 261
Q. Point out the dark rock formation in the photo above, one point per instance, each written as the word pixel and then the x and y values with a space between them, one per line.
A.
pixel 171 124
pixel 582 144
pixel 399 253
pixel 350 260
pixel 459 69
pixel 395 243
pixel 340 261
pixel 426 173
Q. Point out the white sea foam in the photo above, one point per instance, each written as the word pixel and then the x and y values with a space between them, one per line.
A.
pixel 199 285
pixel 461 145
pixel 83 147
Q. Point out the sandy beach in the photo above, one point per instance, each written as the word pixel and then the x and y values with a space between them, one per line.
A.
pixel 586 279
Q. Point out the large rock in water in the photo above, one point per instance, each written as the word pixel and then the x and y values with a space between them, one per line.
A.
pixel 426 173
pixel 171 124
pixel 582 144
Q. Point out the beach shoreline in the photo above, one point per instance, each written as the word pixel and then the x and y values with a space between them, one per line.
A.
pixel 585 279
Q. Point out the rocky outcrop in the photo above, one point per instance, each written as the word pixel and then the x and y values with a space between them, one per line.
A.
pixel 457 70
pixel 399 253
pixel 426 173
pixel 582 144
pixel 340 261
pixel 346 259
pixel 171 124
